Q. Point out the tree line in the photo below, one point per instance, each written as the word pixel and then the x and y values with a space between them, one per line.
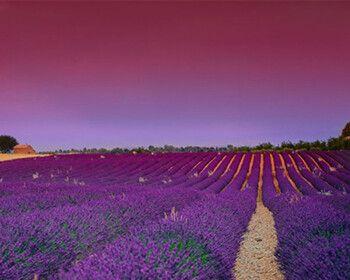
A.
pixel 331 144
pixel 335 143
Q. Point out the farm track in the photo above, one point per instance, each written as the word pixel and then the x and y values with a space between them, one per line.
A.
pixel 6 157
pixel 256 257
pixel 286 174
pixel 237 171
pixel 298 170
pixel 248 173
pixel 228 167
pixel 273 171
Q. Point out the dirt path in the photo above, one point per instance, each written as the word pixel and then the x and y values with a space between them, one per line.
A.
pixel 256 259
pixel 4 157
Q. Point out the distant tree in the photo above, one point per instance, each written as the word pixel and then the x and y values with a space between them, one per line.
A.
pixel 346 130
pixel 242 149
pixel 318 145
pixel 334 143
pixel 7 143
pixel 169 148
pixel 230 147
pixel 263 146
pixel 287 145
pixel 102 151
pixel 139 150
pixel 151 148
pixel 338 144
pixel 304 145
pixel 117 151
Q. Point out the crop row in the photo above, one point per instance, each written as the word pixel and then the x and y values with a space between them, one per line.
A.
pixel 302 172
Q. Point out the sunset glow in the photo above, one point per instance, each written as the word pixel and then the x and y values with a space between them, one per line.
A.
pixel 131 74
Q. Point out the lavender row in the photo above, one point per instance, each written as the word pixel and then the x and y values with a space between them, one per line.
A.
pixel 42 242
pixel 178 170
pixel 321 169
pixel 313 235
pixel 200 242
pixel 42 197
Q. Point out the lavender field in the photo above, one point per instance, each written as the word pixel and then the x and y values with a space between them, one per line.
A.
pixel 171 215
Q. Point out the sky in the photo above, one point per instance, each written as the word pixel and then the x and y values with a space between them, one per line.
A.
pixel 128 74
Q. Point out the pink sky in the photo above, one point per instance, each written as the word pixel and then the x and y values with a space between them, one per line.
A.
pixel 132 74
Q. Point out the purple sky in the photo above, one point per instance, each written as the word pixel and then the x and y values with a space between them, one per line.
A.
pixel 131 74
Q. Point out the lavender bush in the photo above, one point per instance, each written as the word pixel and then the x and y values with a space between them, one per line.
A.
pixel 200 242
pixel 313 237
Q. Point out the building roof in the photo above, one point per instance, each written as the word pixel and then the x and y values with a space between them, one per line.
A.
pixel 21 146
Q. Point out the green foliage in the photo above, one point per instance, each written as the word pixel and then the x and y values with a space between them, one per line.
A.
pixel 7 143
pixel 242 149
pixel 331 144
pixel 263 147
pixel 303 145
pixel 285 145
pixel 346 130
pixel 230 147
pixel 336 143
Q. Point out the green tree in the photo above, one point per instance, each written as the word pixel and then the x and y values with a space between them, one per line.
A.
pixel 285 145
pixel 151 148
pixel 169 148
pixel 7 143
pixel 346 130
pixel 230 147
pixel 263 146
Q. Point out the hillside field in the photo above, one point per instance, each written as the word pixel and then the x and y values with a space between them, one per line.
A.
pixel 172 215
